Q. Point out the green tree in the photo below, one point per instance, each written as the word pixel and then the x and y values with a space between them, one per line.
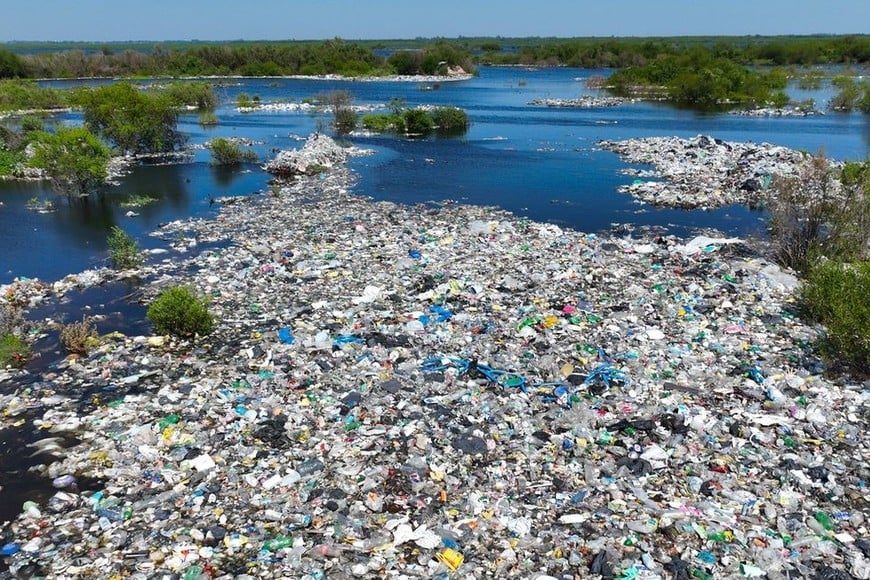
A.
pixel 135 122
pixel 10 65
pixel 73 158
pixel 405 62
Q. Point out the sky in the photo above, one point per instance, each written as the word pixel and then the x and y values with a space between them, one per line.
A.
pixel 108 20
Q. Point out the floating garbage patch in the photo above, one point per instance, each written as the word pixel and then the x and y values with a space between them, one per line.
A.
pixel 702 172
pixel 401 391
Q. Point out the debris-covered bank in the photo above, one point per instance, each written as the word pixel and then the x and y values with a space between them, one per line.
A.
pixel 403 391
pixel 702 172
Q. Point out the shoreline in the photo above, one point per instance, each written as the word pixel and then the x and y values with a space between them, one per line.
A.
pixel 635 386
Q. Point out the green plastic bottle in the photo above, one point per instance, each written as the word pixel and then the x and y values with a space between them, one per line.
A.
pixel 278 543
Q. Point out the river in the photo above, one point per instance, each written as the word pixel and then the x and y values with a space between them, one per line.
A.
pixel 537 162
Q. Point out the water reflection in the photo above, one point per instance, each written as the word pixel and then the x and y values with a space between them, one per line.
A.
pixel 537 162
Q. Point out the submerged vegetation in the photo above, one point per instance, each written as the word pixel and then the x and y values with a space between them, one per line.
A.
pixel 226 152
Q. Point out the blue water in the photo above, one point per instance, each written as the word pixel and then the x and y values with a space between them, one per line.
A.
pixel 537 162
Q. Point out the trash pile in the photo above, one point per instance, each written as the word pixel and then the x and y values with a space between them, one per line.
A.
pixel 795 111
pixel 402 391
pixel 702 172
pixel 319 154
pixel 305 107
pixel 583 102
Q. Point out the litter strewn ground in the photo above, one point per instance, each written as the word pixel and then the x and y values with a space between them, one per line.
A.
pixel 407 391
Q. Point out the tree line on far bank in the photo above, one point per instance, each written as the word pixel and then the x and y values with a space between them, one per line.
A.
pixel 254 59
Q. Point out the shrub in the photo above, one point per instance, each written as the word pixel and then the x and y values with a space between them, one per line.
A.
pixel 79 337
pixel 815 214
pixel 73 157
pixel 838 296
pixel 345 120
pixel 192 94
pixel 178 311
pixel 13 351
pixel 135 121
pixel 31 123
pixel 226 152
pixel 418 122
pixel 208 119
pixel 450 120
pixel 244 101
pixel 382 123
pixel 123 250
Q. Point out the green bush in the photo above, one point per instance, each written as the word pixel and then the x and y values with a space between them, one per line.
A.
pixel 838 295
pixel 135 121
pixel 244 101
pixel 74 158
pixel 123 250
pixel 14 351
pixel 193 94
pixel 226 152
pixel 450 120
pixel 9 160
pixel 418 122
pixel 344 120
pixel 821 211
pixel 208 119
pixel 178 311
pixel 18 95
pixel 382 123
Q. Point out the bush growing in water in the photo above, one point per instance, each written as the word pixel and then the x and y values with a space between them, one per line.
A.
pixel 383 123
pixel 79 337
pixel 123 250
pixel 178 311
pixel 450 119
pixel 226 152
pixel 838 295
pixel 193 94
pixel 418 121
pixel 73 157
pixel 207 119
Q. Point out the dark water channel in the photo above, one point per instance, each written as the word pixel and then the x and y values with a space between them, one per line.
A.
pixel 537 162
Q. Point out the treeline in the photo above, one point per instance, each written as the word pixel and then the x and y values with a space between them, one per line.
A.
pixel 258 59
pixel 620 53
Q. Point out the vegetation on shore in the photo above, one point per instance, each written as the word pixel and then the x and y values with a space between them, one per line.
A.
pixel 228 59
pixel 819 223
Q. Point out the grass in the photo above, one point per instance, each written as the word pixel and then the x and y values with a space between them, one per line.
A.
pixel 14 351
pixel 138 200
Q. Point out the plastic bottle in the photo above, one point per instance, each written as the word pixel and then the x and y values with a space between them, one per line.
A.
pixel 826 522
pixel 278 543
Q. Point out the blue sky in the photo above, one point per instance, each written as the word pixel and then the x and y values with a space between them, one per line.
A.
pixel 104 20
